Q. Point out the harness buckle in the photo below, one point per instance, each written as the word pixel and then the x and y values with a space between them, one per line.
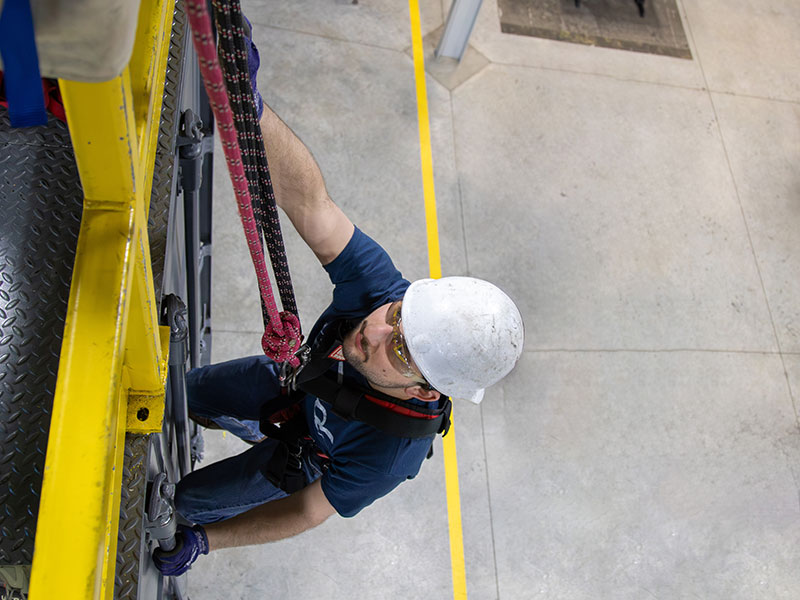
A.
pixel 288 374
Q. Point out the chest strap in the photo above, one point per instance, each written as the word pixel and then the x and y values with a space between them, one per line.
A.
pixel 350 401
pixel 385 413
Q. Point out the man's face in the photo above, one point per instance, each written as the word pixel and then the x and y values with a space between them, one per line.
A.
pixel 369 347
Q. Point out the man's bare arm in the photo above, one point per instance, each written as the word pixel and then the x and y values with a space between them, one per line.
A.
pixel 300 190
pixel 272 521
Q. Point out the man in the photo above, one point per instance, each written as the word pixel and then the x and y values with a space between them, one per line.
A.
pixel 398 344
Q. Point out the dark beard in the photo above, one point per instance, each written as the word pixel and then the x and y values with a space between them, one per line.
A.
pixel 359 365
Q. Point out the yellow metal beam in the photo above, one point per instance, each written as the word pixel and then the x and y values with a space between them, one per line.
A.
pixel 78 474
pixel 113 347
pixel 103 135
pixel 144 359
pixel 145 411
pixel 148 72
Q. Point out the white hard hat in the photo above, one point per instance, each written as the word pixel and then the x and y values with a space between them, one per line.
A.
pixel 464 334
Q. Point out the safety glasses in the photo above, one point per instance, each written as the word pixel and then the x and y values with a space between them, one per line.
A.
pixel 399 346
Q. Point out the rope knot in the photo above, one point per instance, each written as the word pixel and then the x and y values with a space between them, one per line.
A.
pixel 280 341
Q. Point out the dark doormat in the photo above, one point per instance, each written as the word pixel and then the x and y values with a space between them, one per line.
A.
pixel 607 23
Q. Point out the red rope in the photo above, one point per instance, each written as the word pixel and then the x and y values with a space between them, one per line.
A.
pixel 282 334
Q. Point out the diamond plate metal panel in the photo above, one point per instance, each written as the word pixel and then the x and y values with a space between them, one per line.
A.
pixel 131 516
pixel 41 202
pixel 164 172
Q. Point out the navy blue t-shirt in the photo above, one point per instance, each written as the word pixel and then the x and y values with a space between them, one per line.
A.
pixel 365 463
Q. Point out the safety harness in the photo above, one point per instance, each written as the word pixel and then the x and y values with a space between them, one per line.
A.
pixel 307 370
pixel 321 374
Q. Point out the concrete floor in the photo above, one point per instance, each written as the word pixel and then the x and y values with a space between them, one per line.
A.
pixel 645 213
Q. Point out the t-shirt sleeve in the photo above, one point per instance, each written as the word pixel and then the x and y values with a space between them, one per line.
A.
pixel 351 489
pixel 363 276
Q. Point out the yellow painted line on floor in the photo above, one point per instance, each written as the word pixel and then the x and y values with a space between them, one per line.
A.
pixel 435 267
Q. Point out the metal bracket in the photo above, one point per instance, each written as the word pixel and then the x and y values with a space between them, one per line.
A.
pixel 145 413
pixel 174 314
pixel 15 581
pixel 205 251
pixel 145 408
pixel 193 143
pixel 160 522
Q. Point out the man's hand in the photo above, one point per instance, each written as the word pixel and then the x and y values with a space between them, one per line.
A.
pixel 190 542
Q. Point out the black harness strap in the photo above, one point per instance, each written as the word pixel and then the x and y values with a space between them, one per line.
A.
pixel 386 413
pixel 348 400
pixel 344 402
pixel 354 402
pixel 285 467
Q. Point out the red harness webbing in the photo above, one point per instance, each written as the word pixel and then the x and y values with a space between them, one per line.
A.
pixel 400 410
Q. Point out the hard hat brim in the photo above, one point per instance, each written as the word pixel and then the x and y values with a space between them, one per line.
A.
pixel 476 397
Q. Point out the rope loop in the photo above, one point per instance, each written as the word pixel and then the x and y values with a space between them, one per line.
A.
pixel 281 340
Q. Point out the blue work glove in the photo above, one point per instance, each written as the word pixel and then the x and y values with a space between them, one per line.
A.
pixel 190 542
pixel 253 61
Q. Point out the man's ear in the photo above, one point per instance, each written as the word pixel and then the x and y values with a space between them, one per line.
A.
pixel 422 393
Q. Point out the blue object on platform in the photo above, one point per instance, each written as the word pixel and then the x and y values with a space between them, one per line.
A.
pixel 21 65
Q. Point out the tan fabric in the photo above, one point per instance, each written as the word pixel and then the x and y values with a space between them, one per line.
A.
pixel 83 40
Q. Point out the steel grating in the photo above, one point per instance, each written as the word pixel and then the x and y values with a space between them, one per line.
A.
pixel 41 201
